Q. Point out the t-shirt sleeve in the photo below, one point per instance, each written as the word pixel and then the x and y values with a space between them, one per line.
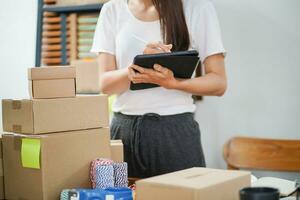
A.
pixel 206 33
pixel 104 37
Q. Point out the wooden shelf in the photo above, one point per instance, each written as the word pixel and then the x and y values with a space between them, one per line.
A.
pixel 52 28
pixel 73 9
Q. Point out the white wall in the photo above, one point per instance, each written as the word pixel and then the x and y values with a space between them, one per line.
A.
pixel 263 43
pixel 17 46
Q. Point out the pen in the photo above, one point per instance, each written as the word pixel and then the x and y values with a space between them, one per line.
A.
pixel 145 42
pixel 140 39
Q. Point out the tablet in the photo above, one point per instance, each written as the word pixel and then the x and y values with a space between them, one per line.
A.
pixel 182 63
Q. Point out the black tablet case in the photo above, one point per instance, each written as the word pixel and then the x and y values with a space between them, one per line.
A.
pixel 183 65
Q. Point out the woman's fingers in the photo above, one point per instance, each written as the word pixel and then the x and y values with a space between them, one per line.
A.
pixel 140 78
pixel 157 47
pixel 142 75
pixel 131 73
pixel 143 70
pixel 150 50
pixel 161 69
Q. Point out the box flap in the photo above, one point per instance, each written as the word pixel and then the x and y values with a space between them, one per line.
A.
pixel 53 72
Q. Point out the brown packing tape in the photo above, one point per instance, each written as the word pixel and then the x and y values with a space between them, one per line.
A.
pixel 16 105
pixel 17 143
pixel 17 128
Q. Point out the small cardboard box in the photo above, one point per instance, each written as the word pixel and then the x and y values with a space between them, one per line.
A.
pixel 194 184
pixel 52 82
pixel 117 152
pixel 87 76
pixel 39 116
pixel 39 167
pixel 1 172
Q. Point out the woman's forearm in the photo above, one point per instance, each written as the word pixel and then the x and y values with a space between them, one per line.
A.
pixel 208 85
pixel 114 82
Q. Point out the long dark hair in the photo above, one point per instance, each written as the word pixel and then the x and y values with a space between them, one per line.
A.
pixel 173 23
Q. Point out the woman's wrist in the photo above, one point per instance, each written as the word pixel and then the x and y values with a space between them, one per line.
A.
pixel 177 85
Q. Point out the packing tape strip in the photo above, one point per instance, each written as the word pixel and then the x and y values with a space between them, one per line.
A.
pixel 17 128
pixel 30 153
pixel 16 105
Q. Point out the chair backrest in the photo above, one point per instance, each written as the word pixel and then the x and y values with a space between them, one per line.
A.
pixel 262 154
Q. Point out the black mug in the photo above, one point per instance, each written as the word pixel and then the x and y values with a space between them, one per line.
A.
pixel 259 193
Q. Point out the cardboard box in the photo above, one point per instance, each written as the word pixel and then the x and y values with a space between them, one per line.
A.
pixel 52 82
pixel 78 2
pixel 87 76
pixel 194 184
pixel 1 172
pixel 63 158
pixel 117 152
pixel 39 116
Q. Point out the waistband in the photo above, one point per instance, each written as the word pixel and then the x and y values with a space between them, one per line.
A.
pixel 154 115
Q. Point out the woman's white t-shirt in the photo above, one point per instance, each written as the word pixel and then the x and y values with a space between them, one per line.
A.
pixel 119 32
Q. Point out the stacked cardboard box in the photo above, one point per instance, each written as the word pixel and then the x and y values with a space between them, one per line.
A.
pixel 53 140
pixel 1 172
pixel 117 150
pixel 87 76
pixel 194 184
pixel 52 82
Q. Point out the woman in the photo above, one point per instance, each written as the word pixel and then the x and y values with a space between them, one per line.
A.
pixel 157 125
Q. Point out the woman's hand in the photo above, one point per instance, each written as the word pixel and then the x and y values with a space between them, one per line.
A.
pixel 157 47
pixel 160 76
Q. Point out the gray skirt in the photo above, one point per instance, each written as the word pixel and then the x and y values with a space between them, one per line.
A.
pixel 155 145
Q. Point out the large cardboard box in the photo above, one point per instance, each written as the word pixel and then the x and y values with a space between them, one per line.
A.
pixel 194 184
pixel 117 152
pixel 87 76
pixel 78 2
pixel 1 172
pixel 52 82
pixel 40 167
pixel 39 116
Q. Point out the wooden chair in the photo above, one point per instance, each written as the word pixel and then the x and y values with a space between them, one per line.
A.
pixel 262 154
